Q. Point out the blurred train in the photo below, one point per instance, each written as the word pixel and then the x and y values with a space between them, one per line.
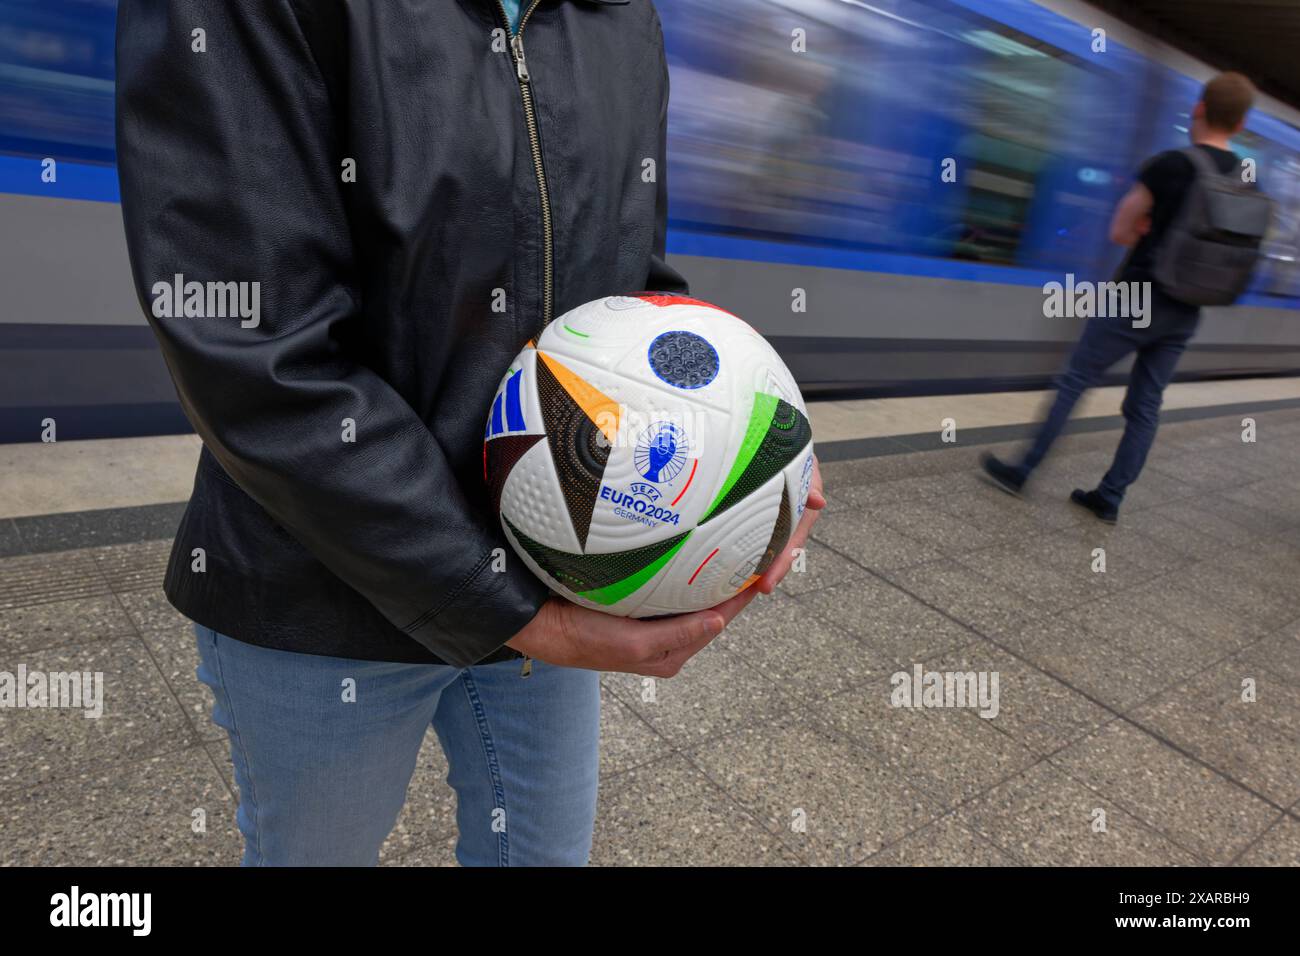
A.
pixel 807 140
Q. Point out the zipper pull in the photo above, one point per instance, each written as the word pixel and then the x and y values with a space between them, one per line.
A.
pixel 527 669
pixel 521 65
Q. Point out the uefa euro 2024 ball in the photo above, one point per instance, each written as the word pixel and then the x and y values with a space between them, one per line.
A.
pixel 648 454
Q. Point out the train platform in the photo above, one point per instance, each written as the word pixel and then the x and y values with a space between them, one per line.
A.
pixel 1135 690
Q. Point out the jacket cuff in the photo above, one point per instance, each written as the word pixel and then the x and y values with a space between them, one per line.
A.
pixel 477 618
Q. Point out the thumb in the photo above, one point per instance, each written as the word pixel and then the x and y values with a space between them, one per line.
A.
pixel 682 630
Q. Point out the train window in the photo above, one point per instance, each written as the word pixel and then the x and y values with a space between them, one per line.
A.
pixel 753 125
pixel 845 145
pixel 1013 90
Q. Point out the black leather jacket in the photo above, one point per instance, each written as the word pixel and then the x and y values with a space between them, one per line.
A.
pixel 492 191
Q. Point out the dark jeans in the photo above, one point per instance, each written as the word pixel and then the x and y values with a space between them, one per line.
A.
pixel 1103 343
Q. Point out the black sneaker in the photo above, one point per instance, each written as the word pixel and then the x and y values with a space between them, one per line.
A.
pixel 1002 475
pixel 1095 503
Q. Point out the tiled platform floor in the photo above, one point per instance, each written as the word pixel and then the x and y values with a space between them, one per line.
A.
pixel 1121 693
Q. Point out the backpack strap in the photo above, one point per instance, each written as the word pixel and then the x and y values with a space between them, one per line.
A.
pixel 1201 161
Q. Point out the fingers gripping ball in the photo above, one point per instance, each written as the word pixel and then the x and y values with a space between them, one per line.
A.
pixel 650 454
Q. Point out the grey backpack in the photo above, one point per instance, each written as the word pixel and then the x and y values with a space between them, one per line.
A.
pixel 1209 252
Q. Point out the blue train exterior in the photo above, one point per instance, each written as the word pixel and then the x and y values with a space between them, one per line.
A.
pixel 807 144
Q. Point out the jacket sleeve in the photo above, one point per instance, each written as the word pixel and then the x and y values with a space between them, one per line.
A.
pixel 230 170
pixel 663 277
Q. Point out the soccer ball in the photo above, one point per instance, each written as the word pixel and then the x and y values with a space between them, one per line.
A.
pixel 649 454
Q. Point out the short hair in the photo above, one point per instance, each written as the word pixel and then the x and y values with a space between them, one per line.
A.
pixel 1227 98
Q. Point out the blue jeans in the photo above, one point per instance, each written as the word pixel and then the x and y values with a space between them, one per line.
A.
pixel 322 780
pixel 1103 343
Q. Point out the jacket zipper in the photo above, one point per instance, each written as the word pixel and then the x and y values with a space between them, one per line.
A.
pixel 535 143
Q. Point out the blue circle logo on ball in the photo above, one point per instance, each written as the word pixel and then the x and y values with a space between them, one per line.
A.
pixel 683 359
pixel 660 452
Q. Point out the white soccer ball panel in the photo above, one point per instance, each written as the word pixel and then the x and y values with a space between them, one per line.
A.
pixel 739 535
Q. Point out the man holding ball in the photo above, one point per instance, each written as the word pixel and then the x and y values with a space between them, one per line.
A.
pixel 415 190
